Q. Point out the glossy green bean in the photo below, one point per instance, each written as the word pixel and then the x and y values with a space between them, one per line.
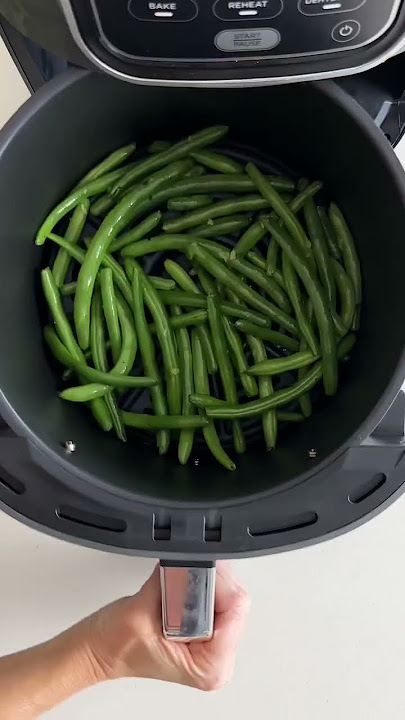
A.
pixel 320 303
pixel 229 279
pixel 192 202
pixel 115 221
pixel 180 276
pixel 186 439
pixel 143 421
pixel 249 239
pixel 148 355
pixel 272 257
pixel 99 354
pixel 140 232
pixel 224 366
pixel 207 348
pixel 184 320
pixel 348 250
pixel 85 393
pixel 269 418
pixel 320 250
pixel 159 146
pixel 330 234
pixel 160 283
pixel 223 226
pixel 101 206
pixel 218 162
pixel 222 410
pixel 282 209
pixel 126 358
pixel 346 294
pixel 95 187
pixel 235 345
pixel 110 308
pixel 179 150
pixel 263 281
pixel 276 366
pixel 201 383
pixel 304 400
pixel 109 163
pixel 272 336
pixel 72 236
pixel 177 297
pixel 62 325
pixel 68 289
pixel 248 203
pixel 300 310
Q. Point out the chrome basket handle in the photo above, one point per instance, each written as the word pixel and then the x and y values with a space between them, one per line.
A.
pixel 188 597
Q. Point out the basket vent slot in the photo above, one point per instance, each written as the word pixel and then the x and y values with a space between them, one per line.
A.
pixel 162 526
pixel 296 522
pixel 12 484
pixel 213 527
pixel 89 519
pixel 367 489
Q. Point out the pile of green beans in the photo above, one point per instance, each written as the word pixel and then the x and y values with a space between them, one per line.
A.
pixel 257 299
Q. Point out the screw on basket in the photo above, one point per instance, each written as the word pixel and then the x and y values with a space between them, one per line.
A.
pixel 312 453
pixel 70 447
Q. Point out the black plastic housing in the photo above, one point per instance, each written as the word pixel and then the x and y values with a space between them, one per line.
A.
pixel 129 498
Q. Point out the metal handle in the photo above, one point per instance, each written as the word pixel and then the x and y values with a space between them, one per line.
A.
pixel 188 595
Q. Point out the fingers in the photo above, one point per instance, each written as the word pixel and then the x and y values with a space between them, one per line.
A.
pixel 232 606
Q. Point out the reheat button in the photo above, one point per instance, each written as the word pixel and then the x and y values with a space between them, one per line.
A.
pixel 247 9
pixel 178 11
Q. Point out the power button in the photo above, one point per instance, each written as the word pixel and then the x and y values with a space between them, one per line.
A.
pixel 346 31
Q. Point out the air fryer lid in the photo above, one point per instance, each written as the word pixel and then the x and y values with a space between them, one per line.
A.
pixel 314 130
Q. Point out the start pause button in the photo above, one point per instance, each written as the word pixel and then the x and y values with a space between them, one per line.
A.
pixel 247 40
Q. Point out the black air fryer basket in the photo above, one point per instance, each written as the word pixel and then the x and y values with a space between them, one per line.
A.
pixel 328 474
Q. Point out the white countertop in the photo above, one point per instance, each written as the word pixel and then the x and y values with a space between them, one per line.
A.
pixel 326 636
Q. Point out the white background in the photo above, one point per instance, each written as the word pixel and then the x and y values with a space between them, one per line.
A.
pixel 326 636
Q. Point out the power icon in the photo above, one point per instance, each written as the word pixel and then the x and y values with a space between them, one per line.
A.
pixel 346 31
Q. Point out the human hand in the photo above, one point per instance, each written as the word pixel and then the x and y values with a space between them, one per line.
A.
pixel 125 638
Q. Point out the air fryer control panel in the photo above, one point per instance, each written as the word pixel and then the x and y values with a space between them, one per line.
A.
pixel 212 34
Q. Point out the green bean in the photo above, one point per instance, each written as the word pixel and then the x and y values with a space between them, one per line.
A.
pixel 195 171
pixel 147 350
pixel 184 320
pixel 330 235
pixel 85 393
pixel 109 163
pixel 225 367
pixel 294 292
pixel 115 221
pixel 163 422
pixel 68 288
pixel 176 297
pixel 249 239
pixel 304 399
pixel 259 277
pixel 321 307
pixel 276 366
pixel 216 161
pixel 77 196
pixel 346 293
pixel 320 250
pixel 208 352
pixel 225 226
pixel 348 250
pixel 88 373
pixel 272 257
pixel 180 276
pixel 192 202
pixel 272 336
pixel 73 233
pixel 126 359
pixel 107 261
pixel 138 233
pixel 178 151
pixel 269 418
pixel 283 210
pixel 201 383
pixel 99 354
pixel 223 410
pixel 184 347
pixel 159 146
pixel 202 216
pixel 109 303
pixel 235 345
pixel 101 206
pixel 229 279
pixel 207 282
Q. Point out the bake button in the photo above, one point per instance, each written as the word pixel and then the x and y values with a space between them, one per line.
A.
pixel 346 31
pixel 328 7
pixel 249 40
pixel 178 11
pixel 247 9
